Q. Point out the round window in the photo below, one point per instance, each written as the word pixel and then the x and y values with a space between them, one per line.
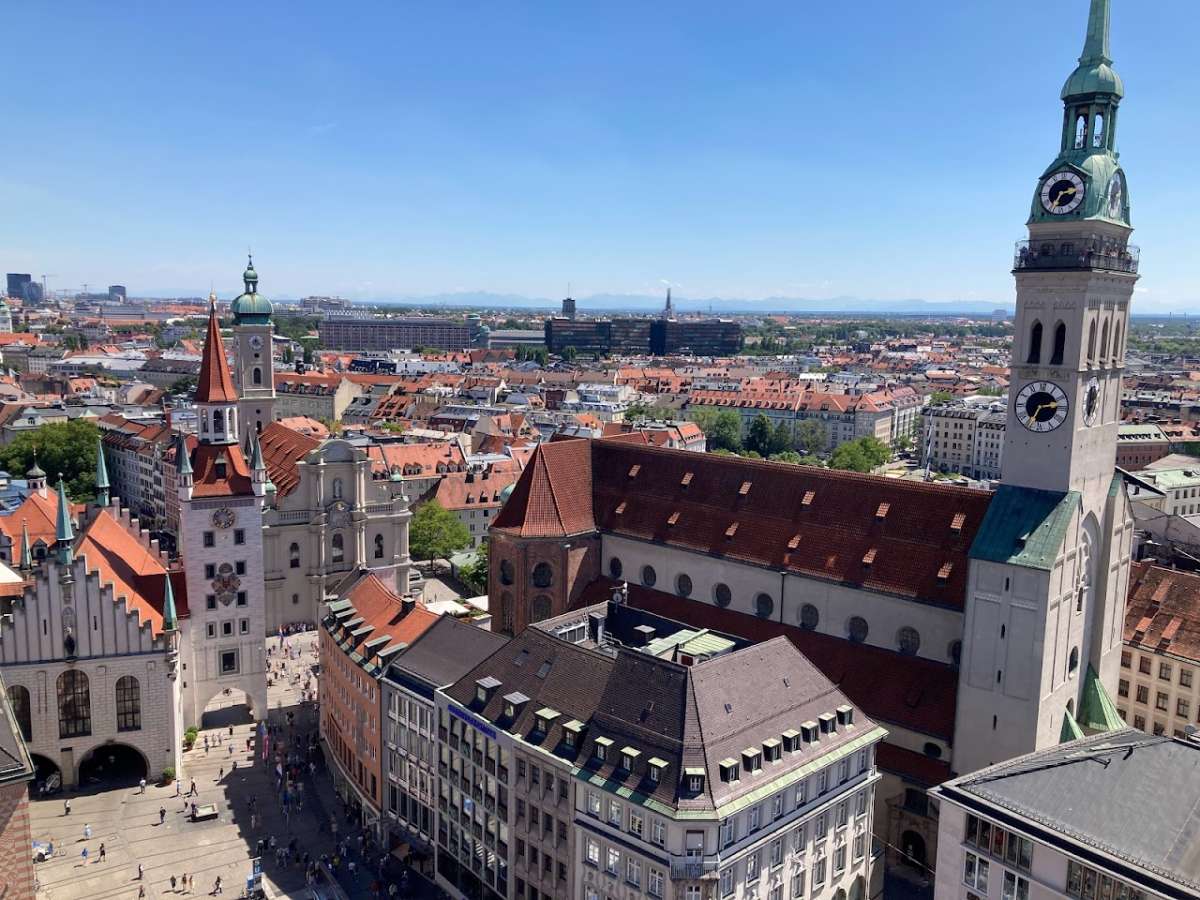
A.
pixel 932 750
pixel 909 640
pixel 764 606
pixel 614 568
pixel 543 575
pixel 683 585
pixel 649 576
pixel 856 629
pixel 722 595
pixel 809 617
pixel 507 573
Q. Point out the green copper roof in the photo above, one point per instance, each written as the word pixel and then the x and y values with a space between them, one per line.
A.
pixel 170 619
pixel 1095 74
pixel 1024 527
pixel 251 308
pixel 63 530
pixel 183 459
pixel 1070 729
pixel 26 553
pixel 1097 712
pixel 101 468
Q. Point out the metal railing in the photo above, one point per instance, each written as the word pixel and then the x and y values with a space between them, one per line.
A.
pixel 1100 254
pixel 693 866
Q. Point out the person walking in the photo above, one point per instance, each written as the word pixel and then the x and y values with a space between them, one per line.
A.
pixel 192 789
pixel 87 831
pixel 67 807
pixel 84 854
pixel 217 886
pixel 172 884
pixel 102 853
pixel 141 872
pixel 142 786
pixel 141 892
pixel 162 814
pixel 178 787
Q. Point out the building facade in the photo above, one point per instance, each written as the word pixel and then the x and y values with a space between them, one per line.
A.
pixel 354 332
pixel 254 376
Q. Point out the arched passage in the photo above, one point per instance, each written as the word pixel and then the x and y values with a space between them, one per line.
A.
pixel 913 846
pixel 228 706
pixel 112 765
pixel 46 773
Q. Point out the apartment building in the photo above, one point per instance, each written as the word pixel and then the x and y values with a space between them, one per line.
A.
pixel 1159 687
pixel 339 331
pixel 964 439
pixel 1107 817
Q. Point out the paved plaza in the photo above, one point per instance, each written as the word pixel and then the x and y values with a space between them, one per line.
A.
pixel 126 821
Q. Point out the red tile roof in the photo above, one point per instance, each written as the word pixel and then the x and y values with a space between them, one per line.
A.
pixel 215 384
pixel 553 497
pixel 282 449
pixel 383 611
pixel 208 483
pixel 1162 612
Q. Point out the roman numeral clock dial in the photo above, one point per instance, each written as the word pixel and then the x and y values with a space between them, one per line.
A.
pixel 1042 406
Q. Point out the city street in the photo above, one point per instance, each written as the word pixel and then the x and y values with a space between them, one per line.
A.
pixel 126 821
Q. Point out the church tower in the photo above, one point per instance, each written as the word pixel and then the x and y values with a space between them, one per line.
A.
pixel 253 372
pixel 220 524
pixel 1050 564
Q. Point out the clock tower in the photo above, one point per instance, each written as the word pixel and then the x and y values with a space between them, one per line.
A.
pixel 253 372
pixel 1050 564
pixel 221 538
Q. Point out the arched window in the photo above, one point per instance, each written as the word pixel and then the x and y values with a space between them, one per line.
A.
pixel 683 585
pixel 129 704
pixel 1073 661
pixel 1104 343
pixel 294 556
pixel 649 576
pixel 1060 344
pixel 543 575
pixel 379 546
pixel 18 699
pixel 539 609
pixel 1116 347
pixel 339 548
pixel 908 639
pixel 74 705
pixel 856 629
pixel 204 421
pixel 722 596
pixel 615 568
pixel 764 605
pixel 1080 131
pixel 219 421
pixel 1092 343
pixel 337 489
pixel 1098 130
pixel 508 572
pixel 810 617
pixel 1035 344
pixel 955 652
pixel 257 375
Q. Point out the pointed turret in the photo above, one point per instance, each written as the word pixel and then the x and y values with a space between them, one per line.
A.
pixel 64 531
pixel 216 397
pixel 170 619
pixel 1094 76
pixel 258 469
pixel 183 468
pixel 26 552
pixel 1095 46
pixel 36 476
pixel 101 476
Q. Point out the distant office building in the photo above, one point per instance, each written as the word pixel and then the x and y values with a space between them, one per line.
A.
pixel 347 332
pixel 17 284
pixel 117 293
pixel 568 308
pixel 700 337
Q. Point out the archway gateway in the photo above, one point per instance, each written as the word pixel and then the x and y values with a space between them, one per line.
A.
pixel 112 765
pixel 230 706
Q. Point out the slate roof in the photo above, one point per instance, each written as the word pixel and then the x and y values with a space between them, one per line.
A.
pixel 1124 796
pixel 15 763
pixel 901 537
pixel 1025 527
pixel 446 651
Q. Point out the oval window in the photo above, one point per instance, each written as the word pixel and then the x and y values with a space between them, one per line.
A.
pixel 909 640
pixel 764 605
pixel 614 567
pixel 810 617
pixel 683 585
pixel 722 595
pixel 649 576
pixel 856 629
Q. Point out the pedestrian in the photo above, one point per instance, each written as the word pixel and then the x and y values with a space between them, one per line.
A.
pixel 220 773
pixel 162 814
pixel 66 807
pixel 172 884
pixel 102 853
pixel 231 731
pixel 87 832
pixel 84 854
pixel 230 746
pixel 192 789
pixel 217 885
pixel 141 892
pixel 142 786
pixel 141 872
pixel 178 787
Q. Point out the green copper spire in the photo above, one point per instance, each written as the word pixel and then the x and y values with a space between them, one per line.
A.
pixel 101 476
pixel 170 620
pixel 26 553
pixel 256 457
pixel 183 462
pixel 64 533
pixel 1097 712
pixel 1095 48
pixel 1070 729
pixel 1094 74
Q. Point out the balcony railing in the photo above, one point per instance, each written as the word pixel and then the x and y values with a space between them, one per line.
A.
pixel 1099 254
pixel 693 866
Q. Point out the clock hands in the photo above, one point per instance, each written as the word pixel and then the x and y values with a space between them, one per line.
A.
pixel 1063 193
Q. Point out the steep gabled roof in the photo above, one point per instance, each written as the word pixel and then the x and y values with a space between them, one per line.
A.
pixel 553 497
pixel 209 482
pixel 215 384
pixel 282 449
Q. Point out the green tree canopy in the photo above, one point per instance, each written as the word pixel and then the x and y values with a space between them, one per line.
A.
pixel 722 427
pixel 68 448
pixel 861 455
pixel 812 436
pixel 940 398
pixel 435 532
pixel 758 436
pixel 787 456
pixel 781 439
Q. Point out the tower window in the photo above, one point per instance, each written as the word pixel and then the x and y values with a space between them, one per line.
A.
pixel 1035 344
pixel 1098 131
pixel 379 546
pixel 339 548
pixel 1060 344
pixel 1091 358
pixel 1080 131
pixel 1116 344
pixel 1104 344
pixel 256 375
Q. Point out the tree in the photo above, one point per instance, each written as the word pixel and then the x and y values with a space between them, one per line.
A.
pixel 475 573
pixel 569 353
pixel 787 456
pixel 435 532
pixel 758 436
pixel 722 428
pixel 940 398
pixel 861 455
pixel 811 435
pixel 781 439
pixel 184 385
pixel 66 448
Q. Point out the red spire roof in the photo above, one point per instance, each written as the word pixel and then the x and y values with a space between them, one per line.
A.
pixel 216 384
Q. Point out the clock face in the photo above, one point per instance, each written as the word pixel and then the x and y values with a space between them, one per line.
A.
pixel 1062 193
pixel 1116 197
pixel 1042 406
pixel 1091 402
pixel 256 342
pixel 223 517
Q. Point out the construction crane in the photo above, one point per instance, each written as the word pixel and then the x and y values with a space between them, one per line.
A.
pixel 45 294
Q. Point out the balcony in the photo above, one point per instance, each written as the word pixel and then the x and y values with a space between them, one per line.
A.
pixel 1095 255
pixel 694 867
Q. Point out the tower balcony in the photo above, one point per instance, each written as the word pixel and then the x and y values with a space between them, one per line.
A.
pixel 1096 254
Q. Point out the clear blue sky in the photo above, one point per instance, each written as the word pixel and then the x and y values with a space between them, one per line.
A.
pixel 876 149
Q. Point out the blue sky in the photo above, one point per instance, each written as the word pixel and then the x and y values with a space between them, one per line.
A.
pixel 873 149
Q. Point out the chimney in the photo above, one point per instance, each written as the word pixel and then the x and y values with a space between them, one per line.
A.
pixel 407 605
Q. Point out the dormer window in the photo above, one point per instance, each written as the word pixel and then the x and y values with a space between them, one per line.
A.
pixel 772 749
pixel 629 757
pixel 572 731
pixel 220 467
pixel 514 704
pixel 827 721
pixel 809 732
pixel 730 771
pixel 694 780
pixel 791 740
pixel 544 719
pixel 600 751
pixel 485 687
pixel 656 767
pixel 752 759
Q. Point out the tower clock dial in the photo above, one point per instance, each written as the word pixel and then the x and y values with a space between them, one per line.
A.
pixel 1062 193
pixel 1116 197
pixel 1091 402
pixel 1042 406
pixel 223 517
pixel 256 342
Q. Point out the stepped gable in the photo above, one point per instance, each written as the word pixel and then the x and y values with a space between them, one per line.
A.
pixel 282 449
pixel 553 497
pixel 120 555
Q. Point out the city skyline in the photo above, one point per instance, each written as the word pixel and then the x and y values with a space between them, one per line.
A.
pixel 429 155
